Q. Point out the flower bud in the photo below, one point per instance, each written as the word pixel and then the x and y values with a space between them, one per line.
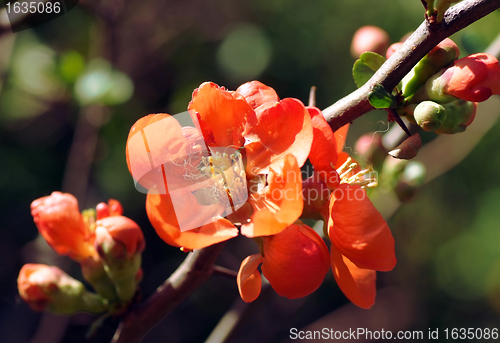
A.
pixel 439 57
pixel 442 6
pixel 47 288
pixel 371 148
pixel 408 149
pixel 369 38
pixel 460 114
pixel 392 49
pixel 473 78
pixel 410 180
pixel 119 242
pixel 112 208
pixel 429 115
pixel 59 221
pixel 93 271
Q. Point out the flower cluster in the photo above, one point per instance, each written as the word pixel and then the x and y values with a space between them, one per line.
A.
pixel 107 246
pixel 236 169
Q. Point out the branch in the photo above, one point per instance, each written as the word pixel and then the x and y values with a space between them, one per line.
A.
pixel 191 274
pixel 400 63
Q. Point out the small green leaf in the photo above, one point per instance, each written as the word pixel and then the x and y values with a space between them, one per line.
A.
pixel 380 98
pixel 366 66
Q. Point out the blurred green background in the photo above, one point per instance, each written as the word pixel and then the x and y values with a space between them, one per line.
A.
pixel 70 90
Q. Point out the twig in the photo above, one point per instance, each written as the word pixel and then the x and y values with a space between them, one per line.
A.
pixel 191 274
pixel 400 63
pixel 312 97
pixel 222 271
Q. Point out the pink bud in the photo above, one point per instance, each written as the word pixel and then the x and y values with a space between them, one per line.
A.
pixel 369 38
pixel 119 236
pixel 392 49
pixel 49 288
pixel 473 78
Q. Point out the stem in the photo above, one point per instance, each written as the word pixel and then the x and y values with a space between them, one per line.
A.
pixel 191 274
pixel 400 63
pixel 222 271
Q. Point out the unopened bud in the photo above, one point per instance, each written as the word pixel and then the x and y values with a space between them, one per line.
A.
pixel 393 48
pixel 429 115
pixel 460 114
pixel 410 180
pixel 473 78
pixel 408 149
pixel 120 242
pixel 439 57
pixel 93 271
pixel 371 148
pixel 369 38
pixel 47 288
pixel 112 208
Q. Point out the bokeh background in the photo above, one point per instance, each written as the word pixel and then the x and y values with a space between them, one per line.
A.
pixel 70 90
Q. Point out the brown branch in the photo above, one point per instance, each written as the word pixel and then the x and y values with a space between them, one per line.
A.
pixel 191 274
pixel 400 63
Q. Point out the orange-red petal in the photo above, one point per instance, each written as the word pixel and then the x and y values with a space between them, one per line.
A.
pixel 282 129
pixel 156 147
pixel 295 261
pixel 281 203
pixel 357 284
pixel 358 230
pixel 258 95
pixel 248 279
pixel 165 220
pixel 59 221
pixel 323 155
pixel 340 137
pixel 219 115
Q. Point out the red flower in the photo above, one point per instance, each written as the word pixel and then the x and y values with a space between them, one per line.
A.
pixel 294 261
pixel 362 242
pixel 253 144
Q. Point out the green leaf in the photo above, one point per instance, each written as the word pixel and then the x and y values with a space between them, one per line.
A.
pixel 366 66
pixel 380 98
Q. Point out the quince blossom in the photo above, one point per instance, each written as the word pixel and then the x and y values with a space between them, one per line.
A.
pixel 271 139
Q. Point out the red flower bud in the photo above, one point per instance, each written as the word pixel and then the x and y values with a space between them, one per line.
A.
pixel 118 237
pixel 59 221
pixel 49 288
pixel 473 78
